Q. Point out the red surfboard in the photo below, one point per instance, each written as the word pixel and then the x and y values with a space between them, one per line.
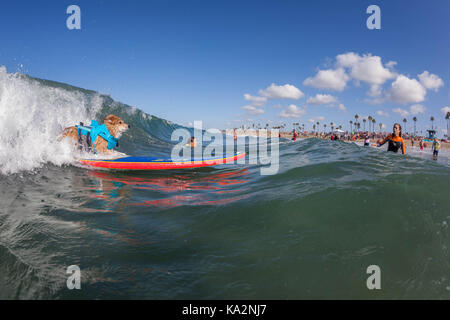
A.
pixel 147 163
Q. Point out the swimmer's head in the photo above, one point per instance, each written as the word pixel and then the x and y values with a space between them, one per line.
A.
pixel 397 130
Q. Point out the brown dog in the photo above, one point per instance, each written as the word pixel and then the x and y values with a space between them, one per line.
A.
pixel 115 126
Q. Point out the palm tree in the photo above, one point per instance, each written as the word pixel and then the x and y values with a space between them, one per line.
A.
pixel 356 118
pixel 324 126
pixel 364 120
pixel 380 125
pixel 370 120
pixel 373 122
pixel 314 127
pixel 432 119
pixel 332 126
pixel 351 127
pixel 415 120
pixel 447 117
pixel 404 121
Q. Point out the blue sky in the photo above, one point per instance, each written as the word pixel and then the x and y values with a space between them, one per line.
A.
pixel 195 60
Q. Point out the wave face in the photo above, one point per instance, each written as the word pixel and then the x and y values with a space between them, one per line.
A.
pixel 225 232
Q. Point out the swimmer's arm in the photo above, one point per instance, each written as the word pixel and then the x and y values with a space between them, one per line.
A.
pixel 403 147
pixel 384 141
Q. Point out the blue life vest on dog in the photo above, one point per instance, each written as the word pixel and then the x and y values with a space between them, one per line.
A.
pixel 94 131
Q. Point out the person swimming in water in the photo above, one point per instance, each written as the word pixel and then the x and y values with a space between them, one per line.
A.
pixel 192 143
pixel 395 140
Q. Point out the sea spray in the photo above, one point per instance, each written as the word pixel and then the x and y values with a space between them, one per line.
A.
pixel 32 117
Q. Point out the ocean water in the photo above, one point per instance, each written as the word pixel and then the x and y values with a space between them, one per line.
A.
pixel 227 232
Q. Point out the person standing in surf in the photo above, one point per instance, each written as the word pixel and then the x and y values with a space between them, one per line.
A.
pixel 294 134
pixel 395 140
pixel 435 148
pixel 366 141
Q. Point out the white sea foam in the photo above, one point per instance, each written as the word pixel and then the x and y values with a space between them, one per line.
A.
pixel 32 117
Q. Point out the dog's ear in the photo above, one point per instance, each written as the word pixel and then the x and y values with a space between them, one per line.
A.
pixel 109 118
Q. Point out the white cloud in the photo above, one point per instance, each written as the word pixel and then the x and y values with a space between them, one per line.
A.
pixel 375 90
pixel 369 69
pixel 406 90
pixel 253 110
pixel 382 113
pixel 314 120
pixel 416 109
pixel 256 101
pixel 347 60
pixel 292 111
pixel 430 81
pixel 375 101
pixel 277 106
pixel 328 79
pixel 365 68
pixel 444 110
pixel 321 99
pixel 281 92
pixel 342 107
pixel 402 112
pixel 391 64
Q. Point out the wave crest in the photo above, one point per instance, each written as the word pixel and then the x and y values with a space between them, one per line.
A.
pixel 33 115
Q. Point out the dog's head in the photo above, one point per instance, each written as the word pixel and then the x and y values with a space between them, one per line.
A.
pixel 115 125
